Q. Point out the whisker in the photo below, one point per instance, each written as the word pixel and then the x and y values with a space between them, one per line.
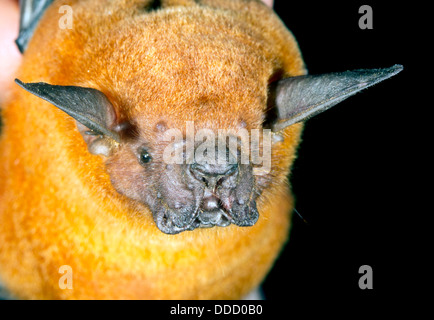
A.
pixel 300 216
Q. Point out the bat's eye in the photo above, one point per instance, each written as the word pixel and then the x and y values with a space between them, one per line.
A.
pixel 144 156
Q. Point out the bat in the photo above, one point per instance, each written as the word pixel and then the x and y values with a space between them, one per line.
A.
pixel 147 147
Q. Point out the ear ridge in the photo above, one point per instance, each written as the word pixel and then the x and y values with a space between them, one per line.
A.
pixel 302 97
pixel 88 106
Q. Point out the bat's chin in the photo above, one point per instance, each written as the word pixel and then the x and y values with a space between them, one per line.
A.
pixel 172 222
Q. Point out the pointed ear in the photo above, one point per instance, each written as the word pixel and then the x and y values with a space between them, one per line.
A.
pixel 91 108
pixel 31 12
pixel 302 97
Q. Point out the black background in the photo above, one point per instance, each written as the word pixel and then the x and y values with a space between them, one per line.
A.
pixel 350 179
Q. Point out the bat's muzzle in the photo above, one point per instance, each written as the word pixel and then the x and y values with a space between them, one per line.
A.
pixel 212 176
pixel 220 195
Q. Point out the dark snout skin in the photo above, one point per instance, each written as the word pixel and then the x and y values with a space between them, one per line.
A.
pixel 206 195
pixel 187 196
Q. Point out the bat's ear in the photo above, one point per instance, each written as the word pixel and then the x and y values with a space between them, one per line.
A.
pixel 31 12
pixel 91 108
pixel 302 97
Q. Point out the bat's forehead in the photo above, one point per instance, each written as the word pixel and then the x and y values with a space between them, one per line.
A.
pixel 204 71
pixel 204 65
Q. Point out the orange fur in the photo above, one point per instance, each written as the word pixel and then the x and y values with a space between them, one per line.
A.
pixel 209 63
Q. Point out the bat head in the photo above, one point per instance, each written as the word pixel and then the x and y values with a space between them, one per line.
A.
pixel 192 124
pixel 194 171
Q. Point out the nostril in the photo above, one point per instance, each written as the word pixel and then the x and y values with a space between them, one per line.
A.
pixel 205 181
pixel 213 170
pixel 212 175
pixel 232 168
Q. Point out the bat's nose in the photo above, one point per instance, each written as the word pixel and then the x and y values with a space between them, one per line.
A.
pixel 212 174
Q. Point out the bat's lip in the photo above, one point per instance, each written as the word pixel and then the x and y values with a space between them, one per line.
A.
pixel 200 219
pixel 173 221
